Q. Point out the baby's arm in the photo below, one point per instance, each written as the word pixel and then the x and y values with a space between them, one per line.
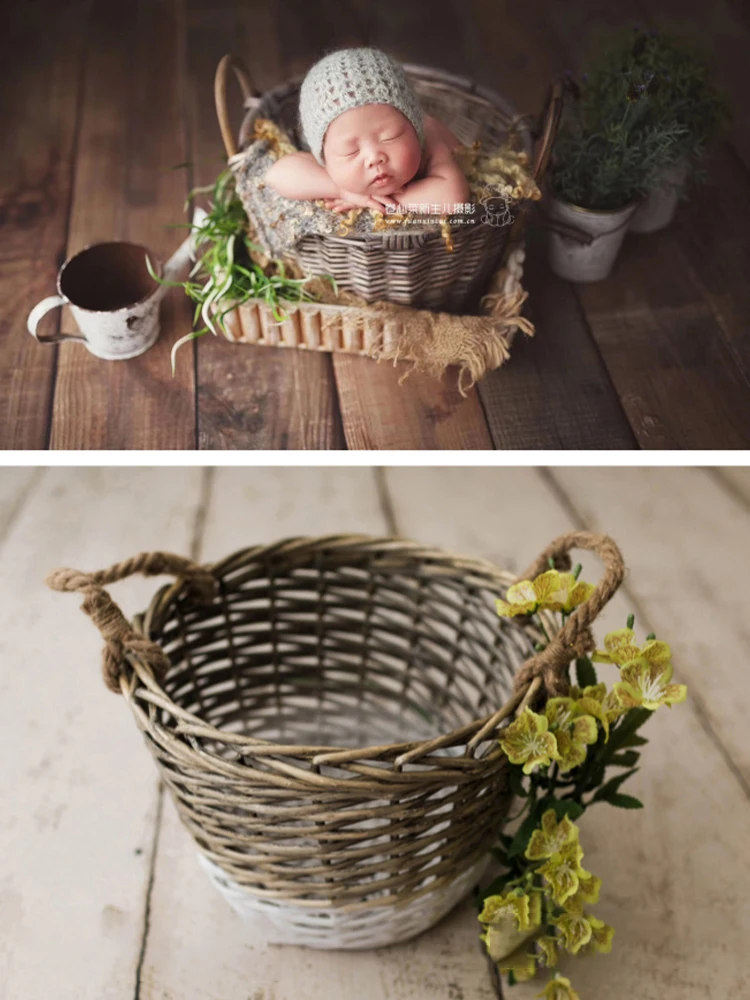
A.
pixel 300 176
pixel 444 183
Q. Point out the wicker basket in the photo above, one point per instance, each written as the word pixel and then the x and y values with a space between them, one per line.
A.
pixel 411 268
pixel 324 712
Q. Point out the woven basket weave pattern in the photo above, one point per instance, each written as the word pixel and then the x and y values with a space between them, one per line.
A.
pixel 312 650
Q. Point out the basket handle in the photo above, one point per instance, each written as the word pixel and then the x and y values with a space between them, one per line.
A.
pixel 551 121
pixel 574 638
pixel 220 95
pixel 120 638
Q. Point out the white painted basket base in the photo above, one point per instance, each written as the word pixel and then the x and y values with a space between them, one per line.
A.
pixel 326 927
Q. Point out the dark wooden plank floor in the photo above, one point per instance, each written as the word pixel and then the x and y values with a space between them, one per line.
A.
pixel 103 102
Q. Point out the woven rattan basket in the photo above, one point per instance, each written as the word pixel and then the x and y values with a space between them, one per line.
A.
pixel 325 712
pixel 408 268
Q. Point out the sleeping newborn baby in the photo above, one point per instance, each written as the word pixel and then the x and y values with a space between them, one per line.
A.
pixel 371 147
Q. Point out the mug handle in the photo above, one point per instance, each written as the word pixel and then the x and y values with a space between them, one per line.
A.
pixel 40 310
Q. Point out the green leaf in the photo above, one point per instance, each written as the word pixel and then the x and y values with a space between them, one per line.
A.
pixel 585 672
pixel 567 807
pixel 605 793
pixel 628 725
pixel 633 741
pixel 517 781
pixel 628 758
pixel 625 802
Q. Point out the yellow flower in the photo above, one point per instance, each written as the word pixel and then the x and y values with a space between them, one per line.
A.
pixel 527 741
pixel 601 937
pixel 597 701
pixel 559 988
pixel 563 871
pixel 575 592
pixel 575 929
pixel 572 731
pixel 571 745
pixel 526 910
pixel 646 685
pixel 552 837
pixel 521 963
pixel 620 647
pixel 595 692
pixel 548 946
pixel 589 887
pixel 522 599
pixel 512 919
pixel 550 591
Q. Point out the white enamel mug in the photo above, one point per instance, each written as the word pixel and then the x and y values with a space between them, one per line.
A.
pixel 113 298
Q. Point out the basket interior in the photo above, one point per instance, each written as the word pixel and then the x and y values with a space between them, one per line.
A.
pixel 322 651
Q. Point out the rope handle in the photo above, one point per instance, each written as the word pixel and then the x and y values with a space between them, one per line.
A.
pixel 574 638
pixel 249 92
pixel 120 638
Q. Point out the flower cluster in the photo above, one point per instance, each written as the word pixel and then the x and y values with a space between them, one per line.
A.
pixel 543 911
pixel 645 671
pixel 560 735
pixel 551 591
pixel 559 760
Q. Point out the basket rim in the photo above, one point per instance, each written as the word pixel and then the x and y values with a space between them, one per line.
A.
pixel 482 571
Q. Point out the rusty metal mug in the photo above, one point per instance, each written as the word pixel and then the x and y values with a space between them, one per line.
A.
pixel 113 298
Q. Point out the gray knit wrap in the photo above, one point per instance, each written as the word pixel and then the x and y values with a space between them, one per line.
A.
pixel 352 78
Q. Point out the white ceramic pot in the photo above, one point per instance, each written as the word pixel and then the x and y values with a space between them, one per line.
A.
pixel 583 244
pixel 657 210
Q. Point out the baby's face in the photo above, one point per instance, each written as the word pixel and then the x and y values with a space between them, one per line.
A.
pixel 371 150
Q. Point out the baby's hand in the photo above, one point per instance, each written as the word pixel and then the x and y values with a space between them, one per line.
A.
pixel 348 200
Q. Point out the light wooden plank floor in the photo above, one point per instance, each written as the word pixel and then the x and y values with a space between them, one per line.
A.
pixel 100 892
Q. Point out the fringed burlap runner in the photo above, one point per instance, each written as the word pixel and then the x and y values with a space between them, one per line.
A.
pixel 433 341
pixel 474 344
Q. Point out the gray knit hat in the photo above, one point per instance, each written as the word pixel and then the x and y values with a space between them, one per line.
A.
pixel 351 78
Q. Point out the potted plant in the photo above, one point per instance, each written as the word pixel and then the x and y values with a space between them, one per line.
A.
pixel 684 89
pixel 614 145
